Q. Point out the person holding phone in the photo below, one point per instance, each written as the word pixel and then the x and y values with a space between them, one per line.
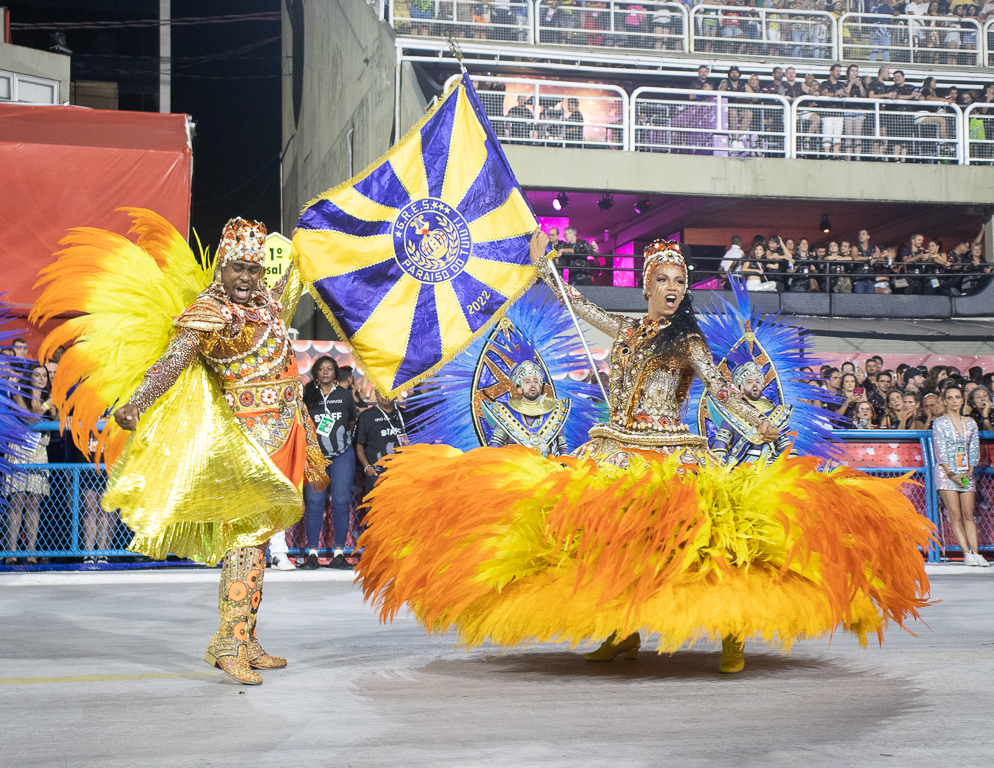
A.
pixel 847 408
pixel 865 416
pixel 956 443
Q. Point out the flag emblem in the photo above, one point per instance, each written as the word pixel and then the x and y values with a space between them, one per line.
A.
pixel 431 241
pixel 419 254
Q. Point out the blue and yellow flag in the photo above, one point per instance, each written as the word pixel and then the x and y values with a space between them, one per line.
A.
pixel 416 256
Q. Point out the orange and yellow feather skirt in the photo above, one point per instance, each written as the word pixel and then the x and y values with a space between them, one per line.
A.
pixel 509 547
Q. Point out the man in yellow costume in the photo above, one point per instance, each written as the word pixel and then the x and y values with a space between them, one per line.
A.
pixel 220 441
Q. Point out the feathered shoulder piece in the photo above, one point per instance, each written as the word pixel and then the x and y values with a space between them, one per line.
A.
pixel 125 295
pixel 536 334
pixel 743 343
pixel 202 315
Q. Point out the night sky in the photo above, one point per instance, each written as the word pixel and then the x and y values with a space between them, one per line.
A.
pixel 226 76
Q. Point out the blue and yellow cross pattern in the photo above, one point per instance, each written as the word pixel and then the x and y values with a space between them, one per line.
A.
pixel 416 256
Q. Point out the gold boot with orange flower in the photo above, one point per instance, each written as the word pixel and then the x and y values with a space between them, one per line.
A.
pixel 257 657
pixel 227 649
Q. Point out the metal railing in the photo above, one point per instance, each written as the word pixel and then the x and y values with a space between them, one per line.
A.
pixel 828 128
pixel 57 514
pixel 715 123
pixel 978 125
pixel 827 276
pixel 501 21
pixel 740 31
pixel 951 41
pixel 53 510
pixel 610 24
pixel 710 30
pixel 550 113
pixel 555 113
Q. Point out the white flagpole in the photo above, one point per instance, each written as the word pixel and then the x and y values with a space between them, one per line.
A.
pixel 576 323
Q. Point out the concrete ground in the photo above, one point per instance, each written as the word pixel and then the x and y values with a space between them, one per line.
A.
pixel 110 674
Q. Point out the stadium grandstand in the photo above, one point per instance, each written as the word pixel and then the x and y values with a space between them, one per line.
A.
pixel 800 121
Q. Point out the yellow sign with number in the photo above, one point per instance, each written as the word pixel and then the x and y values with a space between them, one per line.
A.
pixel 277 256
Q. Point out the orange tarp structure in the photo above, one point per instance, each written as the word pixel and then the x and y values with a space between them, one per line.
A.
pixel 63 167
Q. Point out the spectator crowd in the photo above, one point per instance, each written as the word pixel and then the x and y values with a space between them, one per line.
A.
pixel 936 32
pixel 352 434
pixel 919 267
pixel 907 397
pixel 837 120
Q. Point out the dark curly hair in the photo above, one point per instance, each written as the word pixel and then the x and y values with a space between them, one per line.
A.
pixel 684 324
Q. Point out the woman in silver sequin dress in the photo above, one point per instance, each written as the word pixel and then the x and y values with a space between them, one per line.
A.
pixel 957 450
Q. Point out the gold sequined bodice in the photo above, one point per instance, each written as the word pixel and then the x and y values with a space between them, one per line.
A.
pixel 248 349
pixel 648 386
pixel 650 380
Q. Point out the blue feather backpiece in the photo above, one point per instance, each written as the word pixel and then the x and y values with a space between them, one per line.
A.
pixel 788 350
pixel 538 326
pixel 14 420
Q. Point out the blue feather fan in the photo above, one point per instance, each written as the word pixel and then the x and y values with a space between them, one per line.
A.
pixel 787 348
pixel 537 327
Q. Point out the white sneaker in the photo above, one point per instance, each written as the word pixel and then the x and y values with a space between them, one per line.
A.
pixel 282 562
pixel 979 559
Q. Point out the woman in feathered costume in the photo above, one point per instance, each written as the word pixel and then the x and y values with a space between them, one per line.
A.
pixel 220 441
pixel 640 528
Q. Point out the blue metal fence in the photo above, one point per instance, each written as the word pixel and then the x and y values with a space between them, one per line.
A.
pixel 56 510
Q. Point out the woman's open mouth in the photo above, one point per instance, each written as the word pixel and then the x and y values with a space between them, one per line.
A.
pixel 670 300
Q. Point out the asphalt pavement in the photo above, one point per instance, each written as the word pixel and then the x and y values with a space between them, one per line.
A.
pixel 109 673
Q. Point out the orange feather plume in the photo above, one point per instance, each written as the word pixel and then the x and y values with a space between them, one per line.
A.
pixel 126 296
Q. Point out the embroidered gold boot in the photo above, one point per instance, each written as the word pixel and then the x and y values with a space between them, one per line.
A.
pixel 610 649
pixel 227 650
pixel 732 656
pixel 257 657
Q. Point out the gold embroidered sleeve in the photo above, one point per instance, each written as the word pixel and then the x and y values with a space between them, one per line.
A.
pixel 162 375
pixel 280 286
pixel 600 319
pixel 202 315
pixel 315 469
pixel 726 395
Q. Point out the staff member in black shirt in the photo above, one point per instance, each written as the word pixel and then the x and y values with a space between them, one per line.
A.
pixel 380 431
pixel 333 410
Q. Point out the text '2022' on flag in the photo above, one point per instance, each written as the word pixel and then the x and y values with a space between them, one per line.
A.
pixel 421 252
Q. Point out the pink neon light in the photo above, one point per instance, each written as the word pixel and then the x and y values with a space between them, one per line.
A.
pixel 621 276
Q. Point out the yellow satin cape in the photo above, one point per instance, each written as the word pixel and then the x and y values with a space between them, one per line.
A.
pixel 511 547
pixel 191 482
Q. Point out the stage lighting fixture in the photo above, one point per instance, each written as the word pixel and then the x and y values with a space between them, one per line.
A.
pixel 560 201
pixel 826 225
pixel 605 203
pixel 642 205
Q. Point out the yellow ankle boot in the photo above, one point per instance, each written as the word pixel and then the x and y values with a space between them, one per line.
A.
pixel 609 649
pixel 732 656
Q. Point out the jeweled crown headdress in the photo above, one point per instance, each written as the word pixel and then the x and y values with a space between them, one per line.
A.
pixel 660 252
pixel 242 240
pixel 527 368
pixel 744 371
